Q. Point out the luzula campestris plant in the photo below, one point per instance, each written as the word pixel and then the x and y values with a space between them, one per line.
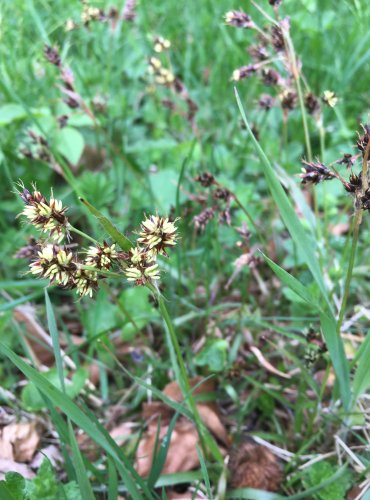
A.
pixel 66 268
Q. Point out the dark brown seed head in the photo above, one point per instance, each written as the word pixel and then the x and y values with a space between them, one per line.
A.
pixel 311 103
pixel 205 179
pixel 270 77
pixel 52 55
pixel 347 159
pixel 313 173
pixel 244 72
pixel 238 19
pixel 266 102
pixel 258 53
pixel 354 184
pixel 277 38
pixel 288 100
pixel 363 139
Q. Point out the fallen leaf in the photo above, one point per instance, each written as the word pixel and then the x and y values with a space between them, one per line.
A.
pixel 51 452
pixel 19 441
pixel 182 453
pixel 7 465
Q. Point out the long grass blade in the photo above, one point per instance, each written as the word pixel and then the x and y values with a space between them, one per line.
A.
pixel 304 243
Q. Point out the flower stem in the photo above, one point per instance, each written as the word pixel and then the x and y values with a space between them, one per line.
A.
pixel 356 230
pixel 81 233
pixel 184 383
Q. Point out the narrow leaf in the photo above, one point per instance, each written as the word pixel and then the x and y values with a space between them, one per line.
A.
pixel 117 236
pixel 304 243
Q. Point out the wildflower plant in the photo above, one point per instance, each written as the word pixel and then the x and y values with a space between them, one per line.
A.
pixel 69 269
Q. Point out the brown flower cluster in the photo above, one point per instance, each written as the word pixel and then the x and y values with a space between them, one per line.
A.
pixel 357 184
pixel 271 49
pixel 221 200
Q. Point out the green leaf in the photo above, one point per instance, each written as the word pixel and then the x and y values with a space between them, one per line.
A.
pixel 70 143
pixel 117 236
pixel 329 484
pixel 13 486
pixel 213 355
pixel 83 481
pixel 361 381
pixel 53 330
pixel 292 283
pixel 305 244
pixel 11 112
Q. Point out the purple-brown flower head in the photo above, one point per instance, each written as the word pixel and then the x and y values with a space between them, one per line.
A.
pixel 205 179
pixel 363 140
pixel 266 102
pixel 311 103
pixel 347 159
pixel 270 77
pixel 239 19
pixel 354 184
pixel 258 53
pixel 243 72
pixel 313 173
pixel 52 55
pixel 288 100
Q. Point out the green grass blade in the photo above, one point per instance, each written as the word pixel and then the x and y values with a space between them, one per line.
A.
pixel 53 330
pixel 338 356
pixel 129 475
pixel 203 468
pixel 81 473
pixel 112 481
pixel 304 243
pixel 328 324
pixel 361 381
pixel 292 283
pixel 159 458
pixel 117 236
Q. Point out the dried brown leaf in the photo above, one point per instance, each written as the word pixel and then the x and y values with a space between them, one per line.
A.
pixel 19 441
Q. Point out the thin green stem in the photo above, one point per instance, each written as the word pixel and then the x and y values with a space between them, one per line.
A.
pixel 81 233
pixel 294 67
pixel 184 381
pixel 356 230
pixel 249 217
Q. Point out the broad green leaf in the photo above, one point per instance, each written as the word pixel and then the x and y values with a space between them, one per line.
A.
pixel 117 236
pixel 11 112
pixel 213 355
pixel 70 143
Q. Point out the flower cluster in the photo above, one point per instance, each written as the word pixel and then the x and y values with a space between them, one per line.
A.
pixel 357 183
pixel 47 216
pixel 221 200
pixel 155 236
pixel 165 77
pixel 69 269
pixel 272 49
